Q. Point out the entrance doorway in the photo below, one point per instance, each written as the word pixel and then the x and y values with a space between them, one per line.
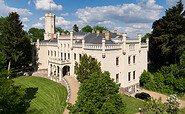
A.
pixel 66 70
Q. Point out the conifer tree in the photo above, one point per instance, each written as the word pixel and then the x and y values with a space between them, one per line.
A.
pixel 75 28
pixel 168 37
pixel 14 44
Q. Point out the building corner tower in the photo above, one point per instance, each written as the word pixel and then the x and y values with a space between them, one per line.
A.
pixel 49 26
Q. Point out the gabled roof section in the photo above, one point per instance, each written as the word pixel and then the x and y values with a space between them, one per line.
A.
pixel 93 38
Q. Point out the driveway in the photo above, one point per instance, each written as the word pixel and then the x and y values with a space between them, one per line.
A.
pixel 156 95
pixel 74 87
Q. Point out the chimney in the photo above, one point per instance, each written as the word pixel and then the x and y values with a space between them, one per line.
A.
pixel 97 32
pixel 115 31
pixel 107 35
pixel 103 31
pixel 121 33
pixel 93 31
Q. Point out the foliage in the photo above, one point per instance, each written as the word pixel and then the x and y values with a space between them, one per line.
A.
pixel 145 77
pixel 14 44
pixel 86 67
pixel 12 98
pixel 75 28
pixel 66 31
pixel 59 29
pixel 168 37
pixel 154 106
pixel 132 104
pixel 95 28
pixel 98 94
pixel 87 28
pixel 45 99
pixel 167 80
pixel 2 19
pixel 147 35
pixel 2 62
pixel 36 33
pixel 173 104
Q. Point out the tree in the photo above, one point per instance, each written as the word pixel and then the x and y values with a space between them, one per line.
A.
pixel 12 98
pixel 2 19
pixel 147 35
pixel 75 28
pixel 168 37
pixel 95 28
pixel 59 29
pixel 98 94
pixel 87 28
pixel 36 33
pixel 86 67
pixel 154 106
pixel 14 44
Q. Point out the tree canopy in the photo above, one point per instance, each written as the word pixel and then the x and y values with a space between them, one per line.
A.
pixel 14 44
pixel 97 95
pixel 147 35
pixel 95 28
pixel 87 28
pixel 168 37
pixel 86 67
pixel 36 33
pixel 75 28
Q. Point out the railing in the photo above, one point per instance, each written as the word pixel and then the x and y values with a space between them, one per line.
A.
pixel 59 60
pixel 115 46
pixel 93 46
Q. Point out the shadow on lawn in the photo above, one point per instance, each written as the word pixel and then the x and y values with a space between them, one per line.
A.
pixel 30 95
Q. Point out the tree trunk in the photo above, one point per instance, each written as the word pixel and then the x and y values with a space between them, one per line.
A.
pixel 9 64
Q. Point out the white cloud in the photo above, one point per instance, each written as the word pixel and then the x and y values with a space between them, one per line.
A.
pixel 29 2
pixel 25 19
pixel 144 11
pixel 4 10
pixel 42 18
pixel 64 14
pixel 107 24
pixel 173 2
pixel 45 5
pixel 38 25
pixel 25 25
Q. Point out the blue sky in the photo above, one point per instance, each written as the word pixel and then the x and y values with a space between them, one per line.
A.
pixel 129 16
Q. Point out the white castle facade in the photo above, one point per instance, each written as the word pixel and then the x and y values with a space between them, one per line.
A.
pixel 123 57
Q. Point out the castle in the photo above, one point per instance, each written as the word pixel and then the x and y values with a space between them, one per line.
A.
pixel 125 58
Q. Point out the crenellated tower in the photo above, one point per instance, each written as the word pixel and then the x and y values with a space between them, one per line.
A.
pixel 49 26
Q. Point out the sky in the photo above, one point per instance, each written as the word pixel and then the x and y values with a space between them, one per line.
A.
pixel 128 16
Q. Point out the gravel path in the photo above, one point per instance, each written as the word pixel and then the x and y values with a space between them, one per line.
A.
pixel 156 95
pixel 74 86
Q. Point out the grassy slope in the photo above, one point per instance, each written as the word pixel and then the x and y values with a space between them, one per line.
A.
pixel 49 96
pixel 133 104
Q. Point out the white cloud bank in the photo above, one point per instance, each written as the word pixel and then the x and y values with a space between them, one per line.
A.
pixel 4 10
pixel 45 5
pixel 38 25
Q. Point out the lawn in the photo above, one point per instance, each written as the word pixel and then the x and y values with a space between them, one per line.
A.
pixel 47 96
pixel 133 104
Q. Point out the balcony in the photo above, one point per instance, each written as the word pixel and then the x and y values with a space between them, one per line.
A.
pixel 59 60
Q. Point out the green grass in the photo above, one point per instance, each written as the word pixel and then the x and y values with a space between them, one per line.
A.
pixel 47 96
pixel 182 111
pixel 133 104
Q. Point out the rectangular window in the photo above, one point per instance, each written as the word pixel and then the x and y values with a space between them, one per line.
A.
pixel 74 56
pixel 48 52
pixel 117 78
pixel 64 56
pixel 51 53
pixel 117 61
pixel 128 76
pixel 80 56
pixel 134 59
pixel 68 55
pixel 134 74
pixel 55 53
pixel 129 60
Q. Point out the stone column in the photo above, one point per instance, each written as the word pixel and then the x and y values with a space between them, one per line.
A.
pixel 60 75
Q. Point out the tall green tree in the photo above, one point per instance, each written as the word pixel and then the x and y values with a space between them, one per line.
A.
pixel 147 35
pixel 168 37
pixel 75 28
pixel 87 28
pixel 36 33
pixel 98 94
pixel 2 19
pixel 86 67
pixel 14 44
pixel 95 28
